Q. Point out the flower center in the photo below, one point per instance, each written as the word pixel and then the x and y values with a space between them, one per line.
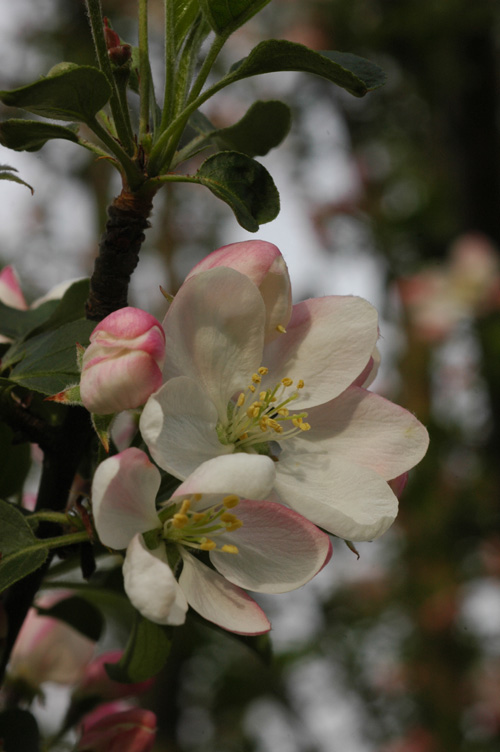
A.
pixel 187 527
pixel 252 424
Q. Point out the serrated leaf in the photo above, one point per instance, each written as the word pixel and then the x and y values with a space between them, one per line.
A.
pixel 79 613
pixel 244 184
pixel 6 174
pixel 15 323
pixel 225 16
pixel 145 654
pixel 353 73
pixel 48 363
pixel 31 135
pixel 19 731
pixel 262 128
pixel 69 93
pixel 21 552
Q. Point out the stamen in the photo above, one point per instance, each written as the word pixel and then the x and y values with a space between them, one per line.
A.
pixel 263 370
pixel 281 329
pixel 287 381
pixel 241 400
pixel 256 378
pixel 228 549
pixel 207 544
pixel 231 501
pixel 180 520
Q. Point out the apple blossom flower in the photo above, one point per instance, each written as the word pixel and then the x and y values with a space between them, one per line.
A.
pixel 47 649
pixel 468 284
pixel 122 365
pixel 263 263
pixel 296 399
pixel 261 546
pixel 131 730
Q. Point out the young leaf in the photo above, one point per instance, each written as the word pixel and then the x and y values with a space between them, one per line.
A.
pixel 69 92
pixel 31 135
pixel 225 16
pixel 6 174
pixel 242 183
pixel 353 73
pixel 21 552
pixel 185 12
pixel 48 362
pixel 145 654
pixel 262 128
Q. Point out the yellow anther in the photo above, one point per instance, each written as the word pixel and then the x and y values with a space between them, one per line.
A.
pixel 256 378
pixel 284 411
pixel 286 381
pixel 240 400
pixel 300 384
pixel 185 507
pixel 252 388
pixel 243 436
pixel 180 520
pixel 281 329
pixel 207 544
pixel 198 497
pixel 262 396
pixel 231 501
pixel 262 370
pixel 297 421
pixel 199 516
pixel 228 517
pixel 305 426
pixel 228 549
pixel 234 526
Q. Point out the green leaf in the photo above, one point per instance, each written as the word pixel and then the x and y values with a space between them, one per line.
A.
pixel 69 92
pixel 70 307
pixel 79 613
pixel 262 128
pixel 6 174
pixel 22 553
pixel 16 461
pixel 145 654
pixel 353 73
pixel 15 323
pixel 31 135
pixel 18 731
pixel 225 16
pixel 48 362
pixel 242 183
pixel 185 13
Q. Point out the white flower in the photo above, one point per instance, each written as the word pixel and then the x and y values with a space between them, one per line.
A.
pixel 228 389
pixel 260 546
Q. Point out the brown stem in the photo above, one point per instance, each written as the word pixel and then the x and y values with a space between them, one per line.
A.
pixel 118 253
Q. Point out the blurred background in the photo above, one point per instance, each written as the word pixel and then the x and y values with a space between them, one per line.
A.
pixel 394 197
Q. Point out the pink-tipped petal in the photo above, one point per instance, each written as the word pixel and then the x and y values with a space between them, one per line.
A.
pixel 328 343
pixel 151 586
pixel 215 333
pixel 278 550
pixel 219 601
pixel 263 263
pixel 247 475
pixel 178 424
pixel 123 497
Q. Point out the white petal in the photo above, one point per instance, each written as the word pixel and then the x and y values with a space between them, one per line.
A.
pixel 178 425
pixel 368 430
pixel 220 602
pixel 346 499
pixel 328 343
pixel 215 333
pixel 278 550
pixel 151 586
pixel 248 475
pixel 123 497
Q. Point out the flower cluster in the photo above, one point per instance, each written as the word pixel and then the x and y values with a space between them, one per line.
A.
pixel 263 413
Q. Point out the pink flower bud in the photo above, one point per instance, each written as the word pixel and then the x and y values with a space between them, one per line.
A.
pixel 47 649
pixel 132 730
pixel 263 263
pixel 122 365
pixel 96 681
pixel 10 289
